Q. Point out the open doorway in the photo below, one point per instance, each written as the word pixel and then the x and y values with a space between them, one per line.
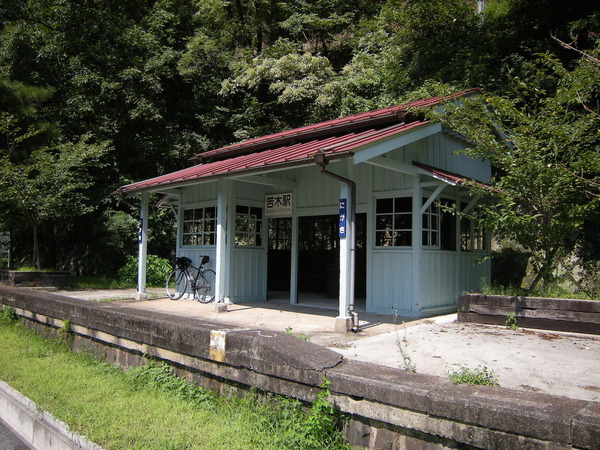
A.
pixel 318 259
pixel 279 258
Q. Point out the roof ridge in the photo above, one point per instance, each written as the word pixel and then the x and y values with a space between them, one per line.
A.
pixel 366 118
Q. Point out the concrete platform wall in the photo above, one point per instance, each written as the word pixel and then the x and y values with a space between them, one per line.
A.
pixel 387 407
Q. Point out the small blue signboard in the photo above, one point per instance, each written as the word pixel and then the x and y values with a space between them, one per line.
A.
pixel 140 230
pixel 342 224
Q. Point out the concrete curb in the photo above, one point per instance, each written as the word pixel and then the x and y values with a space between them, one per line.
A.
pixel 37 428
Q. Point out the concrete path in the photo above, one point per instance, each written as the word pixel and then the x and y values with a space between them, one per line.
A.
pixel 9 440
pixel 550 362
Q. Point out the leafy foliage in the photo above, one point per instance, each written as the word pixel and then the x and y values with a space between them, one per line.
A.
pixel 544 143
pixel 157 270
pixel 151 83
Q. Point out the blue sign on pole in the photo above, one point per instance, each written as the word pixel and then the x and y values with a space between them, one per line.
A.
pixel 342 223
pixel 140 230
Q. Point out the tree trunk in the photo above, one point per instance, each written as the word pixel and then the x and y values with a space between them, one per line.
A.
pixel 547 264
pixel 36 248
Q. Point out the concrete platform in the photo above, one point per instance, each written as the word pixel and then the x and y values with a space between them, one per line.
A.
pixel 533 360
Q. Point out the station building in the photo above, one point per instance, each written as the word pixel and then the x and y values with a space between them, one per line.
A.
pixel 357 213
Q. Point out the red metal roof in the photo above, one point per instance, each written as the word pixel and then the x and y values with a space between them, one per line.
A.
pixel 366 119
pixel 292 155
pixel 452 178
pixel 334 137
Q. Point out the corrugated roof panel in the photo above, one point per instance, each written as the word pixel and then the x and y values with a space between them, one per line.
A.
pixel 297 153
pixel 294 154
pixel 389 113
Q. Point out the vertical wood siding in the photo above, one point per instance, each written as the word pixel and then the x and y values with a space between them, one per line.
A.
pixel 391 289
pixel 447 274
pixel 204 192
pixel 248 280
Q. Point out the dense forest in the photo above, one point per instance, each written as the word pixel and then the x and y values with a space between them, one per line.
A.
pixel 95 94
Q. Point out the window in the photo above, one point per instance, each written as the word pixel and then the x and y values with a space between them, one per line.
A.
pixel 439 224
pixel 472 232
pixel 200 226
pixel 280 234
pixel 393 222
pixel 318 233
pixel 248 226
pixel 431 225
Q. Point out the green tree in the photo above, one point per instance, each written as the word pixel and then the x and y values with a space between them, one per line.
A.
pixel 52 184
pixel 544 143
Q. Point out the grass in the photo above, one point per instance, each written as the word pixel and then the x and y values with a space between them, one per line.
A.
pixel 481 375
pixel 149 407
pixel 88 283
pixel 555 291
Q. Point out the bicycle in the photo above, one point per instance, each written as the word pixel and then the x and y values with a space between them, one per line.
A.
pixel 202 285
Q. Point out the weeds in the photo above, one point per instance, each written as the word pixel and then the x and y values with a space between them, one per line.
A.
pixel 481 375
pixel 302 335
pixel 402 344
pixel 8 315
pixel 552 291
pixel 511 322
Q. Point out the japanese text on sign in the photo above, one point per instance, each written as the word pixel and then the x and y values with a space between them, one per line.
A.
pixel 278 204
pixel 342 223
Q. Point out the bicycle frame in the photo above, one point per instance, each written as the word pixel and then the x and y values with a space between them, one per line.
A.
pixel 201 283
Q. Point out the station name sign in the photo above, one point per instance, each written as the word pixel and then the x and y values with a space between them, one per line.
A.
pixel 278 204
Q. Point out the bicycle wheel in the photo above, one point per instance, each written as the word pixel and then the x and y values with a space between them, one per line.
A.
pixel 205 286
pixel 177 284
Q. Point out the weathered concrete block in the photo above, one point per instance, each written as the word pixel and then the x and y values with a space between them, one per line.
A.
pixel 529 414
pixel 586 427
pixel 384 384
pixel 279 354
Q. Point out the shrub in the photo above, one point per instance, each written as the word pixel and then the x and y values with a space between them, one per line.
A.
pixel 8 315
pixel 157 270
pixel 481 375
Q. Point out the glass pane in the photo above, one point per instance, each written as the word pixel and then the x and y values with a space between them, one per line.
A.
pixel 210 213
pixel 425 238
pixel 403 221
pixel 384 222
pixel 402 239
pixel 241 223
pixel 188 214
pixel 256 212
pixel 385 205
pixel 425 220
pixel 383 239
pixel 241 209
pixel 403 204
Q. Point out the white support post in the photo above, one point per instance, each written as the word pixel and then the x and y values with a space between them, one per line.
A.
pixel 142 247
pixel 222 255
pixel 417 243
pixel 344 322
pixel 294 262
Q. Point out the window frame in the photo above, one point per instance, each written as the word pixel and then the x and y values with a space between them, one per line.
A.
pixel 199 236
pixel 397 222
pixel 475 240
pixel 255 225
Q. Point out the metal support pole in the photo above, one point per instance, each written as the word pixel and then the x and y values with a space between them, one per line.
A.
pixel 321 162
pixel 142 247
